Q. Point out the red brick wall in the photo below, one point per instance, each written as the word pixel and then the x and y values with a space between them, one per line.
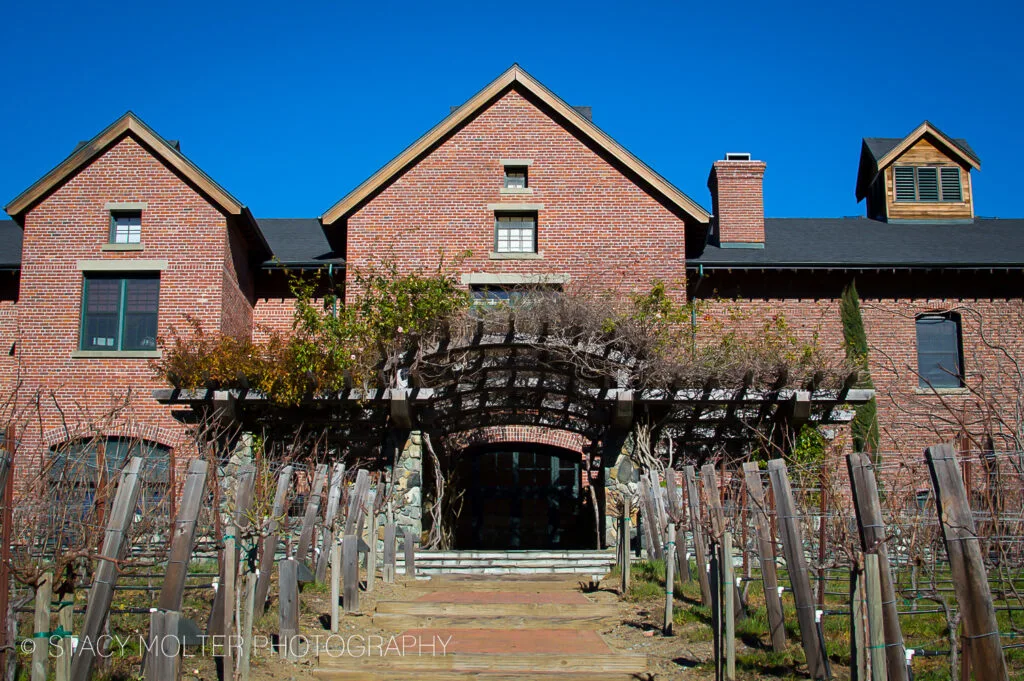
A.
pixel 737 199
pixel 597 225
pixel 911 418
pixel 72 224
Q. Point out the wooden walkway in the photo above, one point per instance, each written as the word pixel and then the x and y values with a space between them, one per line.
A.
pixel 493 629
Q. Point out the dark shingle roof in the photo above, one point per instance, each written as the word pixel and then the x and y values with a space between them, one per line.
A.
pixel 10 244
pixel 297 241
pixel 860 242
pixel 880 146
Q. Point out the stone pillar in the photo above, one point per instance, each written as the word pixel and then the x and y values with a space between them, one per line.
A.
pixel 409 486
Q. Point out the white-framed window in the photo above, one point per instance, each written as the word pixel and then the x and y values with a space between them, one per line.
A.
pixel 515 233
pixel 126 227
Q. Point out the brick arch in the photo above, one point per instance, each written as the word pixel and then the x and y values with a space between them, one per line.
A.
pixel 564 439
pixel 136 431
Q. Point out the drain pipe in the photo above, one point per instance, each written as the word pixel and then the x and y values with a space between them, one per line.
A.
pixel 693 308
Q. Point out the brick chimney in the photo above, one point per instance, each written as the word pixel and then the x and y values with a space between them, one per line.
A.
pixel 737 201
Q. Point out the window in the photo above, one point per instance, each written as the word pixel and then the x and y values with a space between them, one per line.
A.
pixel 119 312
pixel 512 296
pixel 126 227
pixel 75 467
pixel 515 177
pixel 927 183
pixel 939 351
pixel 515 233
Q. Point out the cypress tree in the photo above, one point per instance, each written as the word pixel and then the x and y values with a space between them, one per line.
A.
pixel 864 427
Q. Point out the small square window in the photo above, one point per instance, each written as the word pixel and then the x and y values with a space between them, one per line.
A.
pixel 515 177
pixel 515 233
pixel 126 227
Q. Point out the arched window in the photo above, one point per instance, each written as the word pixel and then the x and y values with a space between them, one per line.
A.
pixel 77 467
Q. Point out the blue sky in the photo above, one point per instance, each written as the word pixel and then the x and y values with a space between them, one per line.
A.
pixel 291 105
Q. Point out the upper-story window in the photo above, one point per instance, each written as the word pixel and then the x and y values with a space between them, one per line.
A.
pixel 515 233
pixel 126 227
pixel 516 177
pixel 120 312
pixel 927 183
pixel 940 351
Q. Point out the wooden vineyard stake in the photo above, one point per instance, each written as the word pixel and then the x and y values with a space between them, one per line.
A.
pixel 350 572
pixel 766 556
pixel 872 540
pixel 335 553
pixel 371 555
pixel 172 590
pixel 858 615
pixel 675 503
pixel 333 499
pixel 650 519
pixel 389 553
pixel 284 482
pixel 41 622
pixel 183 539
pixel 228 587
pixel 700 548
pixel 288 607
pixel 716 611
pixel 245 481
pixel 312 512
pixel 410 553
pixel 245 657
pixel 357 503
pixel 718 525
pixel 105 577
pixel 970 579
pixel 796 565
pixel 670 578
pixel 729 590
pixel 65 620
pixel 876 635
pixel 165 646
pixel 624 541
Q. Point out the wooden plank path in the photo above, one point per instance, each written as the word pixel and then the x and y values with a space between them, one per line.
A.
pixel 494 628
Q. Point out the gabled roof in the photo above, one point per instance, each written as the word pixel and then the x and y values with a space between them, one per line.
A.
pixel 129 123
pixel 514 76
pixel 878 153
pixel 852 243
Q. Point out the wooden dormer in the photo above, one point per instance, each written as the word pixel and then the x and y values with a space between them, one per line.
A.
pixel 923 177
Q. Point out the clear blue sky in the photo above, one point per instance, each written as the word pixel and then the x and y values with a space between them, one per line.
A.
pixel 290 105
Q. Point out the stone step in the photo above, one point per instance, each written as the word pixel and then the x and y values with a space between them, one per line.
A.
pixel 427 571
pixel 395 675
pixel 539 554
pixel 513 665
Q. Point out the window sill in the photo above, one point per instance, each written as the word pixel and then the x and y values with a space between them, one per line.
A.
pixel 121 247
pixel 942 391
pixel 115 354
pixel 494 255
pixel 513 190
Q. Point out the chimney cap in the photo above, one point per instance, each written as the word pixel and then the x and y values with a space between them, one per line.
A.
pixel 737 156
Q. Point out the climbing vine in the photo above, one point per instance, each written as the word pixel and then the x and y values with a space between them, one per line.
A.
pixel 864 427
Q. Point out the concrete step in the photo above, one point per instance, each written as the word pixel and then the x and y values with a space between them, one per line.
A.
pixel 396 675
pixel 510 562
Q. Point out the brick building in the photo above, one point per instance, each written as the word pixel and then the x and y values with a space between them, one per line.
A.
pixel 112 248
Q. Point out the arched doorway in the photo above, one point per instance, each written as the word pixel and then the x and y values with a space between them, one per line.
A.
pixel 523 496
